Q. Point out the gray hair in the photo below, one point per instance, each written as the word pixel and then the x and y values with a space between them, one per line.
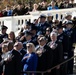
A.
pixel 53 33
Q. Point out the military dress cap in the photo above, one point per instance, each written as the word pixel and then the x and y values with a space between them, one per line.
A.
pixel 42 16
pixel 4 27
pixel 49 15
pixel 68 14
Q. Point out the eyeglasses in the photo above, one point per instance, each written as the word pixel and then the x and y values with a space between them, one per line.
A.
pixel 28 46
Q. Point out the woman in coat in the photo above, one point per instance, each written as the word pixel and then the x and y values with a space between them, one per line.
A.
pixel 30 59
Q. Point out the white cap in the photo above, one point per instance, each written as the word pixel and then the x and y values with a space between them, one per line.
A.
pixel 53 33
pixel 42 16
pixel 68 13
pixel 49 14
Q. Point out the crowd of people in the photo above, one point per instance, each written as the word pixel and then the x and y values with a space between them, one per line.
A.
pixel 24 9
pixel 39 46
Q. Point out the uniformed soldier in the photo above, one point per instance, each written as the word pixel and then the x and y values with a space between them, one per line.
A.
pixel 42 25
pixel 3 34
pixel 50 19
pixel 63 39
pixel 27 26
pixel 71 33
pixel 67 18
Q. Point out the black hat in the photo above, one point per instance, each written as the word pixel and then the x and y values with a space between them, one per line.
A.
pixel 28 33
pixel 69 22
pixel 27 23
pixel 4 27
pixel 42 16
pixel 60 27
pixel 34 28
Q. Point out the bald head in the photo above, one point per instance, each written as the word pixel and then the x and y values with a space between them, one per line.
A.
pixel 18 45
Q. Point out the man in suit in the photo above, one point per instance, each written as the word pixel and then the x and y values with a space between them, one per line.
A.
pixel 57 49
pixel 27 26
pixel 19 47
pixel 45 56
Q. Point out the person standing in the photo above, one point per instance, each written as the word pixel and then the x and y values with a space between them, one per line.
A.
pixel 53 6
pixel 57 49
pixel 18 46
pixel 45 56
pixel 30 59
pixel 12 58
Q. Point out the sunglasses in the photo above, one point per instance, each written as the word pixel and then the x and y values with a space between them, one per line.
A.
pixel 28 46
pixel 41 40
pixel 48 30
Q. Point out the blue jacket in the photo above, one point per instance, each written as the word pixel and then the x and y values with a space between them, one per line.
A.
pixel 9 13
pixel 30 64
pixel 50 8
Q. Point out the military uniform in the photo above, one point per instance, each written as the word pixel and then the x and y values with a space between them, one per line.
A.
pixel 42 26
pixel 71 34
pixel 63 39
pixel 71 37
